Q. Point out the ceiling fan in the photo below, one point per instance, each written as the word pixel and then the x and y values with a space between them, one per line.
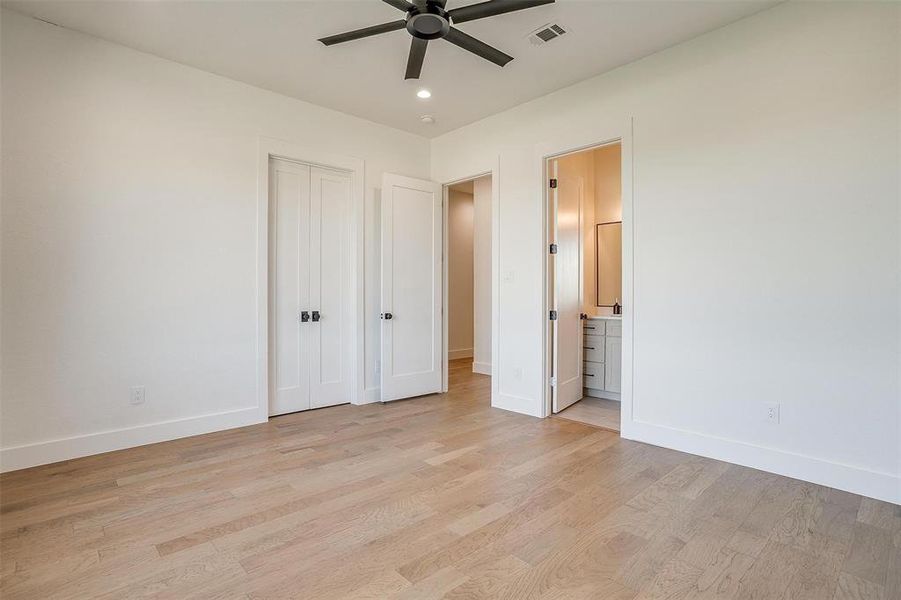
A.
pixel 428 20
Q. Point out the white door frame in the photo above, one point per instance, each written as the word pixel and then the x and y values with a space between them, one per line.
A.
pixel 445 248
pixel 618 132
pixel 284 150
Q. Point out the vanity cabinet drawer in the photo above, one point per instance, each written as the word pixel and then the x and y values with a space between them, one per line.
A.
pixel 593 375
pixel 615 328
pixel 593 348
pixel 593 327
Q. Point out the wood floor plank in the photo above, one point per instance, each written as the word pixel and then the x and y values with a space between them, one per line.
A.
pixel 436 497
pixel 869 553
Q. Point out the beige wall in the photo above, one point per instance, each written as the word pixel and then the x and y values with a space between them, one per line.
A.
pixel 481 349
pixel 608 184
pixel 460 214
pixel 608 207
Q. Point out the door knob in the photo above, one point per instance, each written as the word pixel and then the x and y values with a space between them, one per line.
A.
pixel 315 316
pixel 387 316
pixel 304 316
pixel 583 316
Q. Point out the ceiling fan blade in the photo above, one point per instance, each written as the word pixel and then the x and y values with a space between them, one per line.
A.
pixel 365 32
pixel 399 4
pixel 467 42
pixel 491 8
pixel 414 61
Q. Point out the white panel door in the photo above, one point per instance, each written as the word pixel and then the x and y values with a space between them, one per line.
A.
pixel 331 315
pixel 412 226
pixel 289 294
pixel 567 233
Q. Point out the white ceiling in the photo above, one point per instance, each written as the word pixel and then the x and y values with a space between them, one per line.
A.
pixel 272 45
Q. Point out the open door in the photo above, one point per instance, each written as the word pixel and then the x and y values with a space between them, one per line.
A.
pixel 566 233
pixel 412 229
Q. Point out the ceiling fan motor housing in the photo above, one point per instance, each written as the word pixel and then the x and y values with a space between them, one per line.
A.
pixel 428 21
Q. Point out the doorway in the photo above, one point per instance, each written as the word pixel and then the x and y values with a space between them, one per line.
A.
pixel 585 284
pixel 468 290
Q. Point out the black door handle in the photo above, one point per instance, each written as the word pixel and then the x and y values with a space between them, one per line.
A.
pixel 315 316
pixel 387 316
pixel 304 316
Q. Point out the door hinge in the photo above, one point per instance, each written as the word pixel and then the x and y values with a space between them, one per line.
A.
pixel 553 183
pixel 553 249
pixel 553 315
pixel 553 382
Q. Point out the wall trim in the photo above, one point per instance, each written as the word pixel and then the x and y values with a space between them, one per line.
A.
pixel 516 404
pixel 600 134
pixel 461 353
pixel 873 484
pixel 482 368
pixel 51 451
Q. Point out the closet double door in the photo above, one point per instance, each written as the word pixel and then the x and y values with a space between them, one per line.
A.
pixel 310 287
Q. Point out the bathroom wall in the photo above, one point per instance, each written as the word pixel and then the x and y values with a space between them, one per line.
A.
pixel 608 183
pixel 608 203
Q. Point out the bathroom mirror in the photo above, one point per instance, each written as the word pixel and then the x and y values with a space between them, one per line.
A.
pixel 609 251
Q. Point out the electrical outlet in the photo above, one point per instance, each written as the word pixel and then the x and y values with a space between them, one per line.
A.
pixel 137 395
pixel 772 412
pixel 517 373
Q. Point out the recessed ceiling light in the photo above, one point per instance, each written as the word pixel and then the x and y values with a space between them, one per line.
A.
pixel 427 119
pixel 424 93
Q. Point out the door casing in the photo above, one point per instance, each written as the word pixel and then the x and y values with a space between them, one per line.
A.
pixel 445 302
pixel 616 131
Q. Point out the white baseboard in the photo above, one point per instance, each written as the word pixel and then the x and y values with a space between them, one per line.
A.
pixel 461 353
pixel 481 368
pixel 371 395
pixel 517 404
pixel 42 453
pixel 873 484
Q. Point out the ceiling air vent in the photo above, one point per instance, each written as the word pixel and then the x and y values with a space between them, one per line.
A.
pixel 546 33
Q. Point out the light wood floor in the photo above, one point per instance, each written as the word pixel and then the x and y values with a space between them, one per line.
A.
pixel 436 497
pixel 598 412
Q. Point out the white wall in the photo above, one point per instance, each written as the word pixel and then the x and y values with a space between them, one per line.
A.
pixel 129 239
pixel 460 300
pixel 766 239
pixel 766 250
pixel 481 194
